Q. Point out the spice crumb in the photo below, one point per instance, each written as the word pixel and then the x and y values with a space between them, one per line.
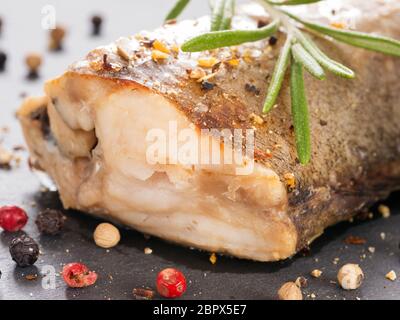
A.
pixel 207 62
pixel 158 56
pixel 213 258
pixel 316 273
pixel 301 282
pixel 148 251
pixel 161 46
pixel 383 235
pixel 256 119
pixel 197 73
pixel 371 249
pixel 290 180
pixel 31 277
pixel 143 294
pixel 384 211
pixel 355 240
pixel 391 275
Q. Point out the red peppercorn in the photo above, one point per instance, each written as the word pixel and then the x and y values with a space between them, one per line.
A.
pixel 171 283
pixel 77 275
pixel 12 218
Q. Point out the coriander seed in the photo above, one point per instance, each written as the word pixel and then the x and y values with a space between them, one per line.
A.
pixel 350 276
pixel 106 235
pixel 290 291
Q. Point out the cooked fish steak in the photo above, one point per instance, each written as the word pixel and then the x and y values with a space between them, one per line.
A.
pixel 89 134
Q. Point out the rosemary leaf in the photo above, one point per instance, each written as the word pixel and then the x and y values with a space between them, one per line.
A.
pixel 300 112
pixel 326 62
pixel 278 75
pixel 358 39
pixel 291 2
pixel 227 38
pixel 177 9
pixel 229 12
pixel 217 15
pixel 307 61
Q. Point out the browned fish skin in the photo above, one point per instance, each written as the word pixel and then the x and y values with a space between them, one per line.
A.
pixel 354 123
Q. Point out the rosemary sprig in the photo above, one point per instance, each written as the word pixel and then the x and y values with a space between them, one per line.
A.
pixel 300 112
pixel 307 61
pixel 227 38
pixel 177 9
pixel 278 76
pixel 358 39
pixel 304 52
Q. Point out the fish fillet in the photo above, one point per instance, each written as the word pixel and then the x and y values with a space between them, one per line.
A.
pixel 90 134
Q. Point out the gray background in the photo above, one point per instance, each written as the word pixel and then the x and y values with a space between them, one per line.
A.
pixel 126 267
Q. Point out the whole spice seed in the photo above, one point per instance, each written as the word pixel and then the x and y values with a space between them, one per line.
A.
pixel 171 283
pixel 143 294
pixel 252 89
pixel 3 59
pixel 97 22
pixel 106 235
pixel 77 275
pixel 33 61
pixel 50 221
pixel 24 251
pixel 206 86
pixel 12 218
pixel 272 40
pixel 350 276
pixel 290 291
pixel 56 37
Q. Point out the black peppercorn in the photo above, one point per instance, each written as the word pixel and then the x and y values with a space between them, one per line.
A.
pixel 272 41
pixel 50 221
pixel 24 251
pixel 96 23
pixel 205 85
pixel 3 59
pixel 252 88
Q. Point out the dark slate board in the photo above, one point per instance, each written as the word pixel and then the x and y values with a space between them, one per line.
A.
pixel 125 267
